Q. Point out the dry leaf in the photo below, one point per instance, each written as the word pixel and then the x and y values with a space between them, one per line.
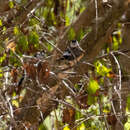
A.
pixel 11 46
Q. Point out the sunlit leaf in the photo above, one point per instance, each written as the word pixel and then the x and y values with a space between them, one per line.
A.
pixel 127 124
pixel 82 9
pixel 78 115
pixel 53 17
pixel 67 21
pixel 49 47
pixel 117 39
pixel 15 103
pixel 66 128
pixel 42 127
pixel 128 102
pixel 11 4
pixel 105 110
pixel 93 87
pixel 108 49
pixel 115 43
pixel 2 58
pixel 4 30
pixel 1 23
pixel 120 40
pixel 49 2
pixel 1 74
pixel 33 21
pixel 45 12
pixel 101 69
pixel 16 30
pixel 81 127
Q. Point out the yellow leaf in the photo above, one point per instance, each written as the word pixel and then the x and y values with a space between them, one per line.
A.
pixel 11 4
pixel 11 46
pixel 15 103
pixel 16 30
pixel 66 128
pixel 1 23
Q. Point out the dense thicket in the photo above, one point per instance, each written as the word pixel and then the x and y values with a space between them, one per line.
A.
pixel 39 91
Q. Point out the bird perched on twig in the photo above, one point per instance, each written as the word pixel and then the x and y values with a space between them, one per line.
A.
pixel 73 52
pixel 40 54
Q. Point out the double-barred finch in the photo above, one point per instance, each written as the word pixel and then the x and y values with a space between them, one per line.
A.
pixel 40 54
pixel 73 52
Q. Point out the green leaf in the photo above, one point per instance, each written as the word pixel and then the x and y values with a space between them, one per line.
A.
pixel 16 30
pixel 115 43
pixel 81 34
pixel 42 127
pixel 2 58
pixel 15 103
pixel 45 12
pixel 53 17
pixel 33 21
pixel 101 69
pixel 1 74
pixel 66 128
pixel 71 34
pixel 91 99
pixel 11 4
pixel 117 39
pixel 1 23
pixel 23 42
pixel 127 124
pixel 82 9
pixel 33 38
pixel 4 30
pixel 13 59
pixel 49 47
pixel 128 102
pixel 2 49
pixel 78 115
pixel 108 49
pixel 106 110
pixel 81 127
pixel 93 87
pixel 67 21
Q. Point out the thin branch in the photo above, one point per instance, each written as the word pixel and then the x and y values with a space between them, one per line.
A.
pixel 119 71
pixel 9 108
pixel 116 114
pixel 67 86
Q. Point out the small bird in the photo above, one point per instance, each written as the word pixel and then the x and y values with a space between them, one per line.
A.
pixel 40 54
pixel 72 52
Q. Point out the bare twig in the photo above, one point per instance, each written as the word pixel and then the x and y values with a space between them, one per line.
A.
pixel 119 71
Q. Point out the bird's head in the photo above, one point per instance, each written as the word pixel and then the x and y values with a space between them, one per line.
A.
pixel 40 54
pixel 74 43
